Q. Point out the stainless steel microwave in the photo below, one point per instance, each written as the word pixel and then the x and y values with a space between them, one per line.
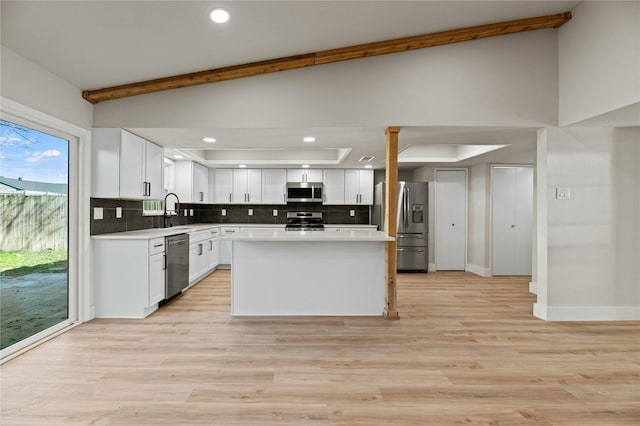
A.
pixel 304 192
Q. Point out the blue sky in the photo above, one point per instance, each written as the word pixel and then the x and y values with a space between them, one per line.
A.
pixel 32 155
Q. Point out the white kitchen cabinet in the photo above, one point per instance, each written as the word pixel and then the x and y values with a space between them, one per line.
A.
pixel 225 246
pixel 358 187
pixel 333 186
pixel 304 175
pixel 247 186
pixel 191 182
pixel 203 253
pixel 125 165
pixel 274 186
pixel 129 277
pixel 222 185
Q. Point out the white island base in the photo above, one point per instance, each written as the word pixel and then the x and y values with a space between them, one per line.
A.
pixel 295 273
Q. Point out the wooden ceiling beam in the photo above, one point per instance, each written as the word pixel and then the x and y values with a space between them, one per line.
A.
pixel 327 56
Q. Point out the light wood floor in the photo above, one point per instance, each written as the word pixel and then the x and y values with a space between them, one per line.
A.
pixel 466 351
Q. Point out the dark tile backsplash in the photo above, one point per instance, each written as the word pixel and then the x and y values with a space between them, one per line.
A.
pixel 132 218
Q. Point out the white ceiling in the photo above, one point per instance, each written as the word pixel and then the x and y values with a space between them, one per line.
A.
pixel 96 44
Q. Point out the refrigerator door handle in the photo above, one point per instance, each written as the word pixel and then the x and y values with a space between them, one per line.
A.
pixel 406 207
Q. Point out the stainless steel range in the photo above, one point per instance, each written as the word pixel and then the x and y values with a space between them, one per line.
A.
pixel 304 221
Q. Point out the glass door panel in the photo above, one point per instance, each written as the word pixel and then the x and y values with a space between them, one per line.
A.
pixel 34 232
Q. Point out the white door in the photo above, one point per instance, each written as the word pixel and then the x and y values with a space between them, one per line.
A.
pixel 240 182
pixel 366 187
pixel 351 186
pixel 200 185
pixel 154 163
pixel 511 220
pixel 156 278
pixel 451 220
pixel 131 166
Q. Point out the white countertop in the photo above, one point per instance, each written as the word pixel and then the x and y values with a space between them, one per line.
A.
pixel 299 236
pixel 147 234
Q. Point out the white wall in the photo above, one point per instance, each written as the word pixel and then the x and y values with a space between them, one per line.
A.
pixel 599 60
pixel 502 81
pixel 26 83
pixel 593 239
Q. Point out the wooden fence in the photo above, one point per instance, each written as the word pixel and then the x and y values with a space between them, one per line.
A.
pixel 33 222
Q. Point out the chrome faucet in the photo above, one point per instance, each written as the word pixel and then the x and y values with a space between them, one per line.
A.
pixel 167 217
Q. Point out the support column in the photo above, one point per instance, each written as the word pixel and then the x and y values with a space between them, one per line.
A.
pixel 391 222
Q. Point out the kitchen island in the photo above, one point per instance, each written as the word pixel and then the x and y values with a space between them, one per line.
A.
pixel 282 273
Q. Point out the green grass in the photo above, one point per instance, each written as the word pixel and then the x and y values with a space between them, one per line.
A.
pixel 20 262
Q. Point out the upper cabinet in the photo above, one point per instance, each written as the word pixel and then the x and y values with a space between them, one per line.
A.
pixel 304 175
pixel 191 182
pixel 247 186
pixel 358 187
pixel 274 186
pixel 333 186
pixel 222 185
pixel 125 166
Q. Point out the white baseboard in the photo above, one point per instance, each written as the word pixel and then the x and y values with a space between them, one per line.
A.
pixel 587 313
pixel 533 287
pixel 478 270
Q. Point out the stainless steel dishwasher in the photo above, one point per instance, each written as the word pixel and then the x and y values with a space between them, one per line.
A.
pixel 177 270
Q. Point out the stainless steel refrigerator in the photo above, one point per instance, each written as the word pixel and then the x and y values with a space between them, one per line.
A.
pixel 413 254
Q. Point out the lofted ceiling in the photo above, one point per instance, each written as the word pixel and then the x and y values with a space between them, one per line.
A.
pixel 96 44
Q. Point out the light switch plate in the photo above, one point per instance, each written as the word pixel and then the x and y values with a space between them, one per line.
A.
pixel 118 212
pixel 250 212
pixel 563 193
pixel 224 212
pixel 275 212
pixel 352 213
pixel 98 213
pixel 186 212
pixel 190 212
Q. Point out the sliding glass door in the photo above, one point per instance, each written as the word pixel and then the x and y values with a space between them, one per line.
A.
pixel 35 291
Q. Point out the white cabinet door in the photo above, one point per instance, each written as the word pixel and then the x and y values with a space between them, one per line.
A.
pixel 366 187
pixel 240 183
pixel 197 259
pixel 358 187
pixel 274 186
pixel 333 186
pixel 451 219
pixel 247 186
pixel 132 182
pixel 200 185
pixel 154 173
pixel 222 186
pixel 226 245
pixel 304 175
pixel 156 278
pixel 254 186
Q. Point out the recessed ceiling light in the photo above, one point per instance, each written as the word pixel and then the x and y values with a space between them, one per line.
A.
pixel 219 16
pixel 368 166
pixel 178 156
pixel 305 166
pixel 308 139
pixel 209 140
pixel 242 166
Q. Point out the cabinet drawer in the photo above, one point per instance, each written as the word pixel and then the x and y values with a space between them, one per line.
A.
pixel 156 246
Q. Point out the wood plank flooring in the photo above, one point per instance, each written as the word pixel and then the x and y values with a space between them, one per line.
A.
pixel 466 350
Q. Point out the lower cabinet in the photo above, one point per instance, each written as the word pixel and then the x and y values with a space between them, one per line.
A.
pixel 128 277
pixel 203 253
pixel 225 246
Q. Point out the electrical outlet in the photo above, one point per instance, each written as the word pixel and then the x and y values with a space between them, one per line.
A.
pixel 118 212
pixel 98 213
pixel 224 212
pixel 563 193
pixel 250 212
pixel 190 212
pixel 275 212
pixel 352 213
pixel 186 212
